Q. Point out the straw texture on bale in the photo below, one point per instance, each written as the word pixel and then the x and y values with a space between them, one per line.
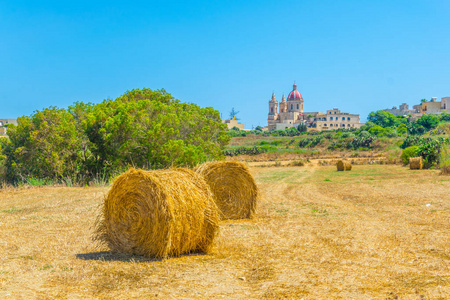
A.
pixel 344 165
pixel 416 163
pixel 233 187
pixel 158 214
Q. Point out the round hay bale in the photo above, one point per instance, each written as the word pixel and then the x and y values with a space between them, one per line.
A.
pixel 233 187
pixel 343 165
pixel 158 214
pixel 416 163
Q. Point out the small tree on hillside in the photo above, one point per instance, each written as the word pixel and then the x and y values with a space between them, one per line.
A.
pixel 428 121
pixel 302 128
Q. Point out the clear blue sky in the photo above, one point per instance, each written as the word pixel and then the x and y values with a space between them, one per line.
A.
pixel 359 56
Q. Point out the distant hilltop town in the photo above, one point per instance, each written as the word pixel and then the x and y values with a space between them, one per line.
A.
pixel 432 107
pixel 289 113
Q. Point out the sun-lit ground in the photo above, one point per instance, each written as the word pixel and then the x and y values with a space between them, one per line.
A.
pixel 376 232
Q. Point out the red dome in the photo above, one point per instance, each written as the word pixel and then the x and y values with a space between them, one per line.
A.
pixel 295 95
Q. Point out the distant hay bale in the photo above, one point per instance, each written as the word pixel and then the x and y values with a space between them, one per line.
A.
pixel 343 165
pixel 233 187
pixel 416 163
pixel 158 214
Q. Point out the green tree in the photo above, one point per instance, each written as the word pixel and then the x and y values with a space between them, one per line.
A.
pixel 302 128
pixel 384 119
pixel 402 129
pixel 45 145
pixel 233 114
pixel 428 121
pixel 444 117
pixel 141 128
pixel 376 130
pixel 150 129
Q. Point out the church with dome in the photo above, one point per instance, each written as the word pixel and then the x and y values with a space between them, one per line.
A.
pixel 289 113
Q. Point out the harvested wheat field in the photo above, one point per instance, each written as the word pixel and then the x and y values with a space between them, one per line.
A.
pixel 377 232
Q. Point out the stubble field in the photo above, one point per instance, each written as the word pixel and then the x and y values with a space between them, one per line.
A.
pixel 376 232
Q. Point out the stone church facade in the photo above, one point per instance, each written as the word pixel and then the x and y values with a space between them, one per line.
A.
pixel 289 113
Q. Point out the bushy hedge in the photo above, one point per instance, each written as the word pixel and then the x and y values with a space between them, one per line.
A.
pixel 142 128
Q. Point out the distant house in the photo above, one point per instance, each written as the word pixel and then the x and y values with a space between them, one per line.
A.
pixel 233 123
pixel 432 107
pixel 435 107
pixel 403 110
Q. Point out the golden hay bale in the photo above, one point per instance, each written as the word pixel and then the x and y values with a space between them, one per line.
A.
pixel 233 187
pixel 416 163
pixel 158 214
pixel 343 165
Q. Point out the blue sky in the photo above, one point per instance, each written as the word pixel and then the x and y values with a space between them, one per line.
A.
pixel 359 56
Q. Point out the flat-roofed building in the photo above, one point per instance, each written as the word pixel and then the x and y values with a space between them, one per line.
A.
pixel 335 119
pixel 231 123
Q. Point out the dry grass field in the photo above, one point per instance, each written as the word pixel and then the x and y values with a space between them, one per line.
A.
pixel 376 232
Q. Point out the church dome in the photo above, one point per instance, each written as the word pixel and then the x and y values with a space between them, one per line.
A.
pixel 295 95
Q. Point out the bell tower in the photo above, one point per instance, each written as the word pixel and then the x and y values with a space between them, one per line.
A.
pixel 273 113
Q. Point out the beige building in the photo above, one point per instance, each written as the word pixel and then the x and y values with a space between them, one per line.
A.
pixel 403 110
pixel 233 123
pixel 335 119
pixel 435 107
pixel 289 113
pixel 432 107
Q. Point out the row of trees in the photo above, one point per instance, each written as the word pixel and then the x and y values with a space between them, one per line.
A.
pixel 383 123
pixel 142 128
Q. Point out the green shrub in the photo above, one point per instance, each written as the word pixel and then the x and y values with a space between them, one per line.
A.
pixel 347 135
pixel 428 121
pixel 310 141
pixel 363 141
pixel 364 134
pixel 407 153
pixel 328 136
pixel 276 143
pixel 430 150
pixel 402 129
pixel 444 160
pixel 410 140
